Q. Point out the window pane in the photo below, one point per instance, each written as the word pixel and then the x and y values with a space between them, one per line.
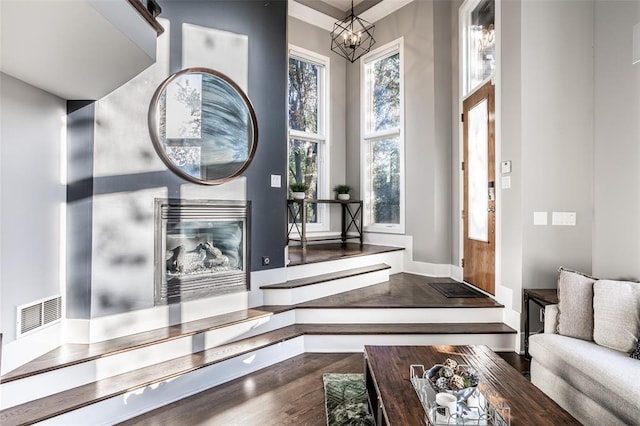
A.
pixel 303 167
pixel 481 44
pixel 385 180
pixel 478 147
pixel 385 93
pixel 303 95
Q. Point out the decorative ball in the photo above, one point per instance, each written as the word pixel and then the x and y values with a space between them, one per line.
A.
pixel 456 382
pixel 451 364
pixel 442 383
pixel 446 372
pixel 471 376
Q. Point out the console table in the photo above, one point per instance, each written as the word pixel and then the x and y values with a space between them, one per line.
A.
pixel 351 218
pixel 542 298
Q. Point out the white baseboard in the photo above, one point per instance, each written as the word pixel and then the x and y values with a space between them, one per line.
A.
pixel 29 347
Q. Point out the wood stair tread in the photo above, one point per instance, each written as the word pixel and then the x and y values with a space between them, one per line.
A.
pixel 73 399
pixel 317 279
pixel 407 328
pixel 72 354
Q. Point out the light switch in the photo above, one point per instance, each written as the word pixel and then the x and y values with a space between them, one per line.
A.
pixel 506 182
pixel 505 167
pixel 540 218
pixel 276 181
pixel 563 219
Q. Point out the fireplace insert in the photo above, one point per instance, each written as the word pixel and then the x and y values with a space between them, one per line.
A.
pixel 201 249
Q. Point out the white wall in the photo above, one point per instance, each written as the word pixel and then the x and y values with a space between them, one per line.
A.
pixel 616 245
pixel 31 193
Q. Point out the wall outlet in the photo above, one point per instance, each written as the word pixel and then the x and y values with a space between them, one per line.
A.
pixel 266 260
pixel 563 218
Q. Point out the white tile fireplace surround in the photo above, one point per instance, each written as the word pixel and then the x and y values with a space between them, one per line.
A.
pixel 201 249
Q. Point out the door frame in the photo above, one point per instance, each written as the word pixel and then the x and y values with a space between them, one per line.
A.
pixel 485 249
pixel 497 80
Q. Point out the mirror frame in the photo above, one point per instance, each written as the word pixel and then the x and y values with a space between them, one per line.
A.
pixel 158 145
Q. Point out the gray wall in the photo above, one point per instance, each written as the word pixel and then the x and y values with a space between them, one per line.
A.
pixel 425 26
pixel 315 39
pixel 546 129
pixel 616 235
pixel 31 194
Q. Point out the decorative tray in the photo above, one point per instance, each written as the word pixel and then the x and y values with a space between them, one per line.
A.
pixel 482 408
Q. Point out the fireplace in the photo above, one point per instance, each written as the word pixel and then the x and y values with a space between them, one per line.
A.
pixel 201 249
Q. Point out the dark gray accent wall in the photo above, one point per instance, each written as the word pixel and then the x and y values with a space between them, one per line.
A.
pixel 265 24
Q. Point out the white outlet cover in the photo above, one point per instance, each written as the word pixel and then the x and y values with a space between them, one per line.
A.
pixel 506 182
pixel 276 181
pixel 540 218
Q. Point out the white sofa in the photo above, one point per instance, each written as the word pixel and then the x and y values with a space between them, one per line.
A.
pixel 595 384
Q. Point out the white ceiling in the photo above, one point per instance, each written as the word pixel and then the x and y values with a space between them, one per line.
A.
pixel 343 5
pixel 312 16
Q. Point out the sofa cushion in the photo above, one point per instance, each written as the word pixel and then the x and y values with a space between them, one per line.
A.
pixel 607 376
pixel 616 314
pixel 575 304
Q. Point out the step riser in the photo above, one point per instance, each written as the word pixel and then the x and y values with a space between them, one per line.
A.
pixel 327 288
pixel 393 259
pixel 356 343
pixel 397 315
pixel 44 384
pixel 123 407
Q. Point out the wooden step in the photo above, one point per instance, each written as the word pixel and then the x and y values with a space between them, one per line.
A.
pixel 82 396
pixel 427 328
pixel 302 282
pixel 72 354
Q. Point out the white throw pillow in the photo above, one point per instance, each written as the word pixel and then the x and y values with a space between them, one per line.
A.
pixel 575 304
pixel 616 310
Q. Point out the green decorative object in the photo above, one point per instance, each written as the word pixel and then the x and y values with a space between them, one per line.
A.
pixel 346 400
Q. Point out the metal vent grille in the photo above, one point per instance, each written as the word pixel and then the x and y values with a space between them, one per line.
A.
pixel 35 315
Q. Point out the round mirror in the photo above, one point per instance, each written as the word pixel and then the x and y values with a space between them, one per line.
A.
pixel 203 126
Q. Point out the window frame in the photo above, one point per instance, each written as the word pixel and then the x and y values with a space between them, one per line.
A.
pixel 367 137
pixel 321 137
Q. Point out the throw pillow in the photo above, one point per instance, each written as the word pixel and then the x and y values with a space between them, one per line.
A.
pixel 616 309
pixel 636 354
pixel 575 304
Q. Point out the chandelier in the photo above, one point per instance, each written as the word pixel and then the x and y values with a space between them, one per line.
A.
pixel 352 37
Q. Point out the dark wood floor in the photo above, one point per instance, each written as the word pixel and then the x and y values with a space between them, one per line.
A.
pixel 332 251
pixel 401 291
pixel 287 393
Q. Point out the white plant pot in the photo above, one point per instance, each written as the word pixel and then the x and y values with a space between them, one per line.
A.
pixel 298 195
pixel 344 197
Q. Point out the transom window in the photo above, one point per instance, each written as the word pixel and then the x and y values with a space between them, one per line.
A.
pixel 479 43
pixel 307 126
pixel 383 139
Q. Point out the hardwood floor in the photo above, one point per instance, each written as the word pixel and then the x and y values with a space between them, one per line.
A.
pixel 287 393
pixel 324 252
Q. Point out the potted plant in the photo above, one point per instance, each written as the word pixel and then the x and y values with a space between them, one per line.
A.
pixel 342 191
pixel 298 190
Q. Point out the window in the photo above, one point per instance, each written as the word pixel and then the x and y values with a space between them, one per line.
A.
pixel 479 43
pixel 383 139
pixel 307 126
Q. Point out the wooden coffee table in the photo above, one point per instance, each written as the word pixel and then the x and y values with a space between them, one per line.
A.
pixel 394 401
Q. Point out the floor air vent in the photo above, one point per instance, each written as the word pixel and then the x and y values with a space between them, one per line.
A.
pixel 38 314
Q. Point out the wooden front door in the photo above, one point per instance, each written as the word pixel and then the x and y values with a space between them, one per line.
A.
pixel 479 189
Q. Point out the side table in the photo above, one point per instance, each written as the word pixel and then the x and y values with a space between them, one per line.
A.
pixel 542 298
